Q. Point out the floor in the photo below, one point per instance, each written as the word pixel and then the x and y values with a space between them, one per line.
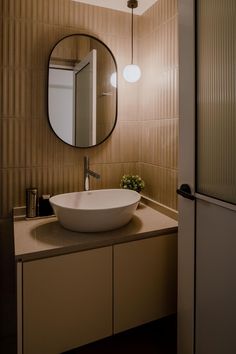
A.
pixel 158 337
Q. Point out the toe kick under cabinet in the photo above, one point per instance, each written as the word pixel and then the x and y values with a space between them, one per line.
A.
pixel 70 300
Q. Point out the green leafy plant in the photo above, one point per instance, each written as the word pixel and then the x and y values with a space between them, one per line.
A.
pixel 133 182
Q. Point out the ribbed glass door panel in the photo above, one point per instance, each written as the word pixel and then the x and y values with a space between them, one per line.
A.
pixel 216 99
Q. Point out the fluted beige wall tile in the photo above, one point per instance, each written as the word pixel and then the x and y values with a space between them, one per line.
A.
pixel 146 23
pixel 164 10
pixel 158 101
pixel 39 94
pixel 14 131
pixel 8 8
pixel 60 179
pixel 15 89
pixel 127 99
pixel 122 146
pixel 160 184
pixel 166 95
pixel 166 44
pixel 40 10
pixel 31 154
pixel 159 142
pixel 12 189
pixel 44 148
pixel 111 174
pixel 30 29
pixel 129 141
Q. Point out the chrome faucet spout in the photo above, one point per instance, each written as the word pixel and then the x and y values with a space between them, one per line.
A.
pixel 88 173
pixel 93 174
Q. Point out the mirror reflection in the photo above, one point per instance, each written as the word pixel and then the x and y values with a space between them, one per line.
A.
pixel 82 90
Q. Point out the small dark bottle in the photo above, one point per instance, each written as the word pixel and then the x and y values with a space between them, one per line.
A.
pixel 45 208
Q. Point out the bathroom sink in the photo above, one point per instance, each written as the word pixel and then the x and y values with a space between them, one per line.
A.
pixel 96 210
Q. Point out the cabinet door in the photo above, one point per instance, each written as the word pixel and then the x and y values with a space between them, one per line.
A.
pixel 67 301
pixel 144 281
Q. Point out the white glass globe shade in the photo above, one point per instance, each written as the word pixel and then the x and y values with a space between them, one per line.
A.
pixel 132 73
pixel 113 79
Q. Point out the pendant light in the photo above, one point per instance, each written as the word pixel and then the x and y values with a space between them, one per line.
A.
pixel 132 72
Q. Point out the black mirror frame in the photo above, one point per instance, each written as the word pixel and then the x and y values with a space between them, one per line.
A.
pixel 116 107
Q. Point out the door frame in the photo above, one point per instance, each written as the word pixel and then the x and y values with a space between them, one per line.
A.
pixel 90 59
pixel 186 233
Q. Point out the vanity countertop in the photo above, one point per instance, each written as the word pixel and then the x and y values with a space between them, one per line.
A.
pixel 45 237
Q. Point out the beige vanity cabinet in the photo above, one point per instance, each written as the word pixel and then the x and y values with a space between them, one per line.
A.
pixel 67 301
pixel 145 273
pixel 70 300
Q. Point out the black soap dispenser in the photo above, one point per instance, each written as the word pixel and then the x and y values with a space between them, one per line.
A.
pixel 45 208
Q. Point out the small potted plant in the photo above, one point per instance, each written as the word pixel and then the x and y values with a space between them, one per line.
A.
pixel 133 182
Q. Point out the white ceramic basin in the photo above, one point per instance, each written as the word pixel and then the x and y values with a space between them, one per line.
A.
pixel 96 210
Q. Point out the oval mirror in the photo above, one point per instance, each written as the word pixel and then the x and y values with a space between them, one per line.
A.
pixel 82 90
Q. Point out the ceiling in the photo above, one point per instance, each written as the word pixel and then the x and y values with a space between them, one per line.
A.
pixel 120 5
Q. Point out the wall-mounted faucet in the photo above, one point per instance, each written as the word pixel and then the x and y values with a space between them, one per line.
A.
pixel 88 173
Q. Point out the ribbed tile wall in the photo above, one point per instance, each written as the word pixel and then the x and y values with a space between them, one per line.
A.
pixel 158 101
pixel 145 138
pixel 30 154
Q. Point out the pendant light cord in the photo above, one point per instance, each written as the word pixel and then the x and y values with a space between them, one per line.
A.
pixel 132 72
pixel 132 35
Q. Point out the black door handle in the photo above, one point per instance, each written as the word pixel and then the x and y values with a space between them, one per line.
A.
pixel 185 192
